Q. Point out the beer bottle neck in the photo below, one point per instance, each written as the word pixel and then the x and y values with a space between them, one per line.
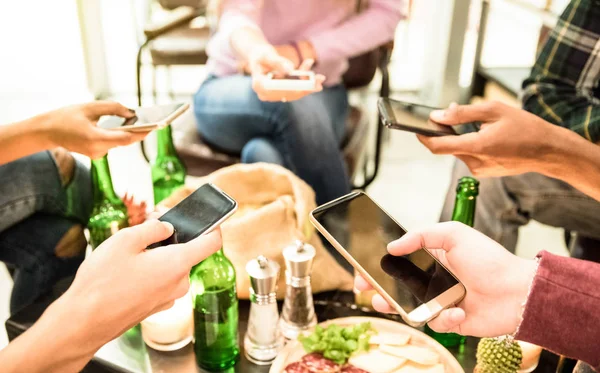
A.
pixel 464 210
pixel 164 142
pixel 102 182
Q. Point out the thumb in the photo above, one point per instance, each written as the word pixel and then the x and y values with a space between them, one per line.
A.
pixel 279 64
pixel 438 236
pixel 307 64
pixel 95 110
pixel 459 114
pixel 141 236
pixel 448 321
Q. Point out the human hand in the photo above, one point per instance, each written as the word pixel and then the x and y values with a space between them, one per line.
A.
pixel 497 281
pixel 511 141
pixel 121 283
pixel 267 60
pixel 136 211
pixel 74 128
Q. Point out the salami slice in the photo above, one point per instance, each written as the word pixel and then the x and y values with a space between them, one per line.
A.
pixel 316 363
pixel 296 367
pixel 351 369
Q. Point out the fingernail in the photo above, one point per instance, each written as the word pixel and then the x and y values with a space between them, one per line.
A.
pixel 132 111
pixel 438 114
pixel 169 226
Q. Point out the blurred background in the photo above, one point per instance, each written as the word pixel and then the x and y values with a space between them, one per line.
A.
pixel 61 52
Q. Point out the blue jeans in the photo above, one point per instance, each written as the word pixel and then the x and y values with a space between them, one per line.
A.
pixel 303 136
pixel 36 211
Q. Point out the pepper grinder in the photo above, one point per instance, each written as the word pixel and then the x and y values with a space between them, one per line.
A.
pixel 263 339
pixel 298 313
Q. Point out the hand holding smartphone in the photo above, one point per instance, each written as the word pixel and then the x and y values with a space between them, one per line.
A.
pixel 200 213
pixel 411 117
pixel 146 119
pixel 417 286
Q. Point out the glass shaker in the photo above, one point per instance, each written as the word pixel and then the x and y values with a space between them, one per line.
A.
pixel 263 340
pixel 298 314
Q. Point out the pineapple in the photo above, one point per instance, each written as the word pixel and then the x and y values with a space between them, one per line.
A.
pixel 498 355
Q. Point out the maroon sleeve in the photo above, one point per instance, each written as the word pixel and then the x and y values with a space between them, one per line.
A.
pixel 562 313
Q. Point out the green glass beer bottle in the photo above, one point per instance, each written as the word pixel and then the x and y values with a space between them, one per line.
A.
pixel 464 212
pixel 212 284
pixel 109 213
pixel 168 171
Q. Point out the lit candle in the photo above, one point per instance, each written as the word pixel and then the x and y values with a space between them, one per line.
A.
pixel 170 329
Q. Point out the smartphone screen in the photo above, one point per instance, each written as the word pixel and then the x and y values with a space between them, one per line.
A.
pixel 364 230
pixel 156 114
pixel 415 118
pixel 290 77
pixel 112 121
pixel 143 115
pixel 199 212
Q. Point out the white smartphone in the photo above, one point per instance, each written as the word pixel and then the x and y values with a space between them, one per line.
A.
pixel 198 214
pixel 417 286
pixel 295 81
pixel 146 118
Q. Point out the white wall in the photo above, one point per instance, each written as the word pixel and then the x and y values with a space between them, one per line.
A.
pixel 41 60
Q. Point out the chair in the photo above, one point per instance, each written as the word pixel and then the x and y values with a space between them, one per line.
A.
pixel 175 40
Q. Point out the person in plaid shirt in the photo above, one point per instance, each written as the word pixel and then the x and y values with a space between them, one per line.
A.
pixel 563 89
pixel 526 154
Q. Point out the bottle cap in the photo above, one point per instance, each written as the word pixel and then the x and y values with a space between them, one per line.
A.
pixel 299 258
pixel 264 274
pixel 468 186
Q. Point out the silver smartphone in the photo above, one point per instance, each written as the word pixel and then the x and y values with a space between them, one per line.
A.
pixel 417 286
pixel 146 118
pixel 198 214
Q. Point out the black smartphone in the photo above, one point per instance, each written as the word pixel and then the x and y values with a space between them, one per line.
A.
pixel 411 117
pixel 417 285
pixel 200 213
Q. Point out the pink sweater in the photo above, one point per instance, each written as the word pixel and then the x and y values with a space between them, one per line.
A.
pixel 334 28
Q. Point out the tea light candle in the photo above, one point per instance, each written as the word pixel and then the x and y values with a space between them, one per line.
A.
pixel 170 329
pixel 531 356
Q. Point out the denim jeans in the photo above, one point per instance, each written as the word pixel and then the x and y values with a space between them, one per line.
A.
pixel 36 211
pixel 303 135
pixel 507 203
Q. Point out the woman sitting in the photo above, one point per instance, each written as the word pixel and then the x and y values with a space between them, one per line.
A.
pixel 301 130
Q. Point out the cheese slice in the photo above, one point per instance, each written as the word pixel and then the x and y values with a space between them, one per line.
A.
pixel 376 361
pixel 390 339
pixel 416 368
pixel 420 355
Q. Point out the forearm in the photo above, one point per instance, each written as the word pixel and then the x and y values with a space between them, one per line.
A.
pixel 24 138
pixel 575 161
pixel 561 313
pixel 245 40
pixel 62 341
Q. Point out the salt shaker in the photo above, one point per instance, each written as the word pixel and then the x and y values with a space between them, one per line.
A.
pixel 263 339
pixel 298 313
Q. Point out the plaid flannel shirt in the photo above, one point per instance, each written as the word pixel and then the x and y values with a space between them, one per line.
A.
pixel 564 84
